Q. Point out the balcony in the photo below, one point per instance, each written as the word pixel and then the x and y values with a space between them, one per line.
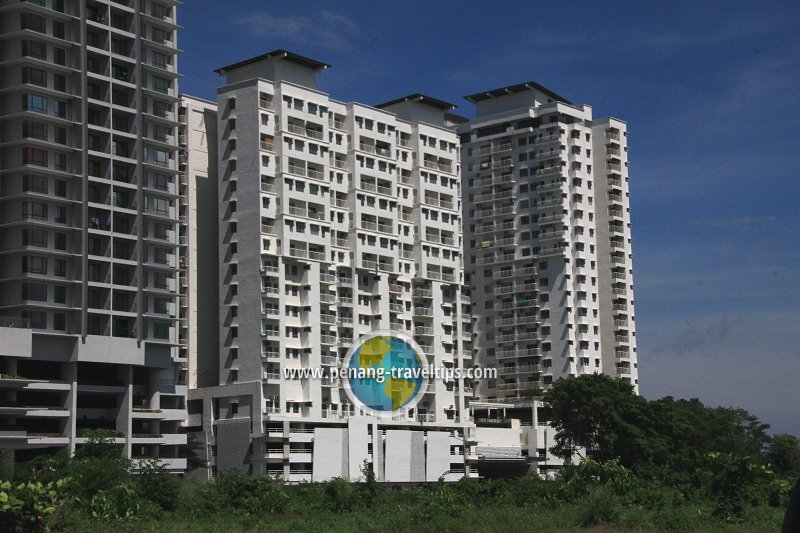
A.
pixel 372 265
pixel 553 170
pixel 510 289
pixel 376 188
pixel 489 228
pixel 373 226
pixel 549 235
pixel 548 155
pixel 550 202
pixel 513 353
pixel 305 213
pixel 493 196
pixel 305 131
pixel 548 138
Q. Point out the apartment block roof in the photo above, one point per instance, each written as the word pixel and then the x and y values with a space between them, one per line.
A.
pixel 419 97
pixel 511 89
pixel 276 54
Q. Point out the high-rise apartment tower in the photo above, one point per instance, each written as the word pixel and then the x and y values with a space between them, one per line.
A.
pixel 336 219
pixel 89 227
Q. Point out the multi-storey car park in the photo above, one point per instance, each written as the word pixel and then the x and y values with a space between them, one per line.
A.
pixel 88 227
pixel 336 219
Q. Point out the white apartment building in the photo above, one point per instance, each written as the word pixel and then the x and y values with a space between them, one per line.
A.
pixel 336 219
pixel 89 227
pixel 198 335
pixel 547 240
pixel 547 245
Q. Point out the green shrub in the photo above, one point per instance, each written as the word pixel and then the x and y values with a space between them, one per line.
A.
pixel 601 506
pixel 26 506
pixel 532 490
pixel 341 495
pixel 118 503
pixel 251 494
pixel 154 483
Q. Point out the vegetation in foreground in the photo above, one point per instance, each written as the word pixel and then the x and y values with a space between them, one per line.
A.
pixel 665 465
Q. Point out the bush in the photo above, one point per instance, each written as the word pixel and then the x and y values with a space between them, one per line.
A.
pixel 341 495
pixel 472 491
pixel 118 503
pixel 532 490
pixel 26 506
pixel 251 494
pixel 154 483
pixel 600 506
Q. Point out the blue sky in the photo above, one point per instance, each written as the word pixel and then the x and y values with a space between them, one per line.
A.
pixel 711 94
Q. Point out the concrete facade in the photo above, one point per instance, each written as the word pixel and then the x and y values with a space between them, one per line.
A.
pixel 88 227
pixel 547 240
pixel 335 219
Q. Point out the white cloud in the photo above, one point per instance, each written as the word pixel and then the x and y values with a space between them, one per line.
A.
pixel 328 30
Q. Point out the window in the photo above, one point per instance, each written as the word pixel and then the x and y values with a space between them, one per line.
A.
pixel 160 182
pixel 34 265
pixel 159 60
pixel 60 135
pixel 34 156
pixel 34 291
pixel 35 103
pixel 61 241
pixel 161 158
pixel 160 36
pixel 160 132
pixel 60 267
pixel 34 76
pixel 60 295
pixel 160 231
pixel 34 237
pixel 59 321
pixel 59 109
pixel 60 161
pixel 31 183
pixel 38 319
pixel 29 21
pixel 59 83
pixel 59 56
pixel 159 206
pixel 35 210
pixel 160 109
pixel 34 49
pixel 160 305
pixel 58 29
pixel 160 280
pixel 160 85
pixel 161 330
pixel 60 214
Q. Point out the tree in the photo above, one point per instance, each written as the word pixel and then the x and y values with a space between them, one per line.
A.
pixel 190 452
pixel 783 453
pixel 601 414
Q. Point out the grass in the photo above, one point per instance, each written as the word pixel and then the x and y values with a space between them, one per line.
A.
pixel 506 518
